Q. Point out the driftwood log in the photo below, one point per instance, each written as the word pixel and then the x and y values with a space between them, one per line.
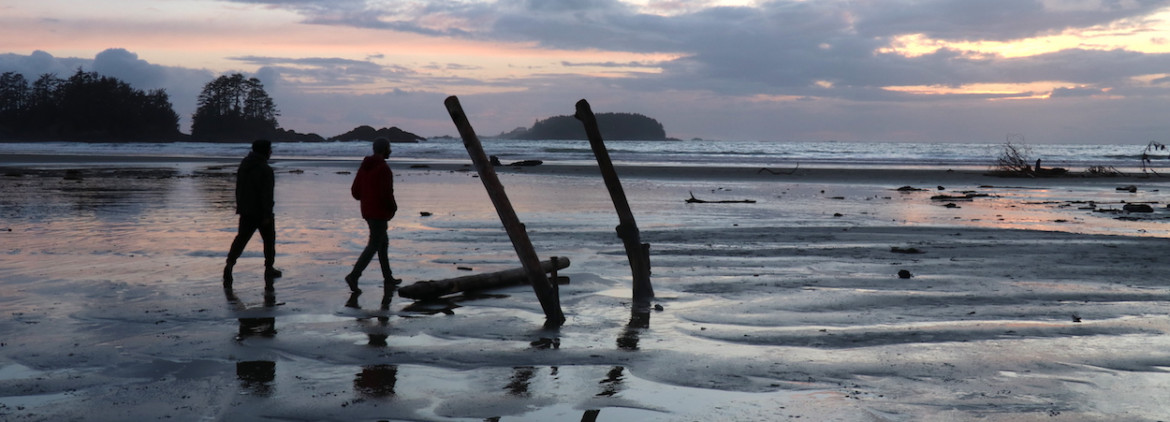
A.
pixel 545 291
pixel 637 252
pixel 775 172
pixel 693 200
pixel 434 289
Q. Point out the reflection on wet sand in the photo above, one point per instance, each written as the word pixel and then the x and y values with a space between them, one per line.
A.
pixel 639 320
pixel 109 195
pixel 613 381
pixel 520 381
pixel 376 381
pixel 257 376
pixel 447 305
pixel 377 332
pixel 263 326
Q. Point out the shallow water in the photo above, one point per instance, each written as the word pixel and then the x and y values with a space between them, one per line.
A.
pixel 771 310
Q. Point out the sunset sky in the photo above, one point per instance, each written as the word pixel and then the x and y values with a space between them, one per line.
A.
pixel 1053 71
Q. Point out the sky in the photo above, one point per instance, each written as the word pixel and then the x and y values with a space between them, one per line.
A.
pixel 1045 71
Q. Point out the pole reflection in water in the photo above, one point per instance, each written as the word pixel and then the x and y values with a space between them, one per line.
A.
pixel 256 376
pixel 613 381
pixel 376 381
pixel 639 320
pixel 521 378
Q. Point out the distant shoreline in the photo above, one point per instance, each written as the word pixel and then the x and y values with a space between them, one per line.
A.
pixel 923 178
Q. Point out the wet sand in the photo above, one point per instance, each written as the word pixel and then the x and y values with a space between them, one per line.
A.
pixel 1030 299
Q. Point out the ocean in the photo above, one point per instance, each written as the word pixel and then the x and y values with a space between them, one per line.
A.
pixel 1076 158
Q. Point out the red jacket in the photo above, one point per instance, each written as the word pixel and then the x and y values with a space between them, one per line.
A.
pixel 374 186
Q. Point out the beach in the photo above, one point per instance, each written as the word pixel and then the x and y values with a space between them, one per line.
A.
pixel 1026 299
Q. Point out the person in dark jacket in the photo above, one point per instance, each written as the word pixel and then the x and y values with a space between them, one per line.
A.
pixel 255 182
pixel 374 187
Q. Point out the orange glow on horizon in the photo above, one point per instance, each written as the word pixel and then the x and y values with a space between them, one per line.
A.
pixel 1031 90
pixel 1149 35
pixel 212 36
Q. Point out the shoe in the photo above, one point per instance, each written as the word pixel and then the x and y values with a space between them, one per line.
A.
pixel 227 277
pixel 352 282
pixel 392 281
pixel 271 272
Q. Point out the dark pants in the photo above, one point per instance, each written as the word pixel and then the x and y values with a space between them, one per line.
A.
pixel 379 243
pixel 248 225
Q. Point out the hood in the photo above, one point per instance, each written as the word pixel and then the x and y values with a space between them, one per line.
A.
pixel 372 161
pixel 253 160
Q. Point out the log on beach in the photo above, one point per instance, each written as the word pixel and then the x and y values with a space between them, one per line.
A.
pixel 434 289
pixel 693 200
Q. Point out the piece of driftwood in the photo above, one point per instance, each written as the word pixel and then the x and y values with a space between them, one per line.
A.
pixel 777 172
pixel 966 196
pixel 434 289
pixel 523 163
pixel 694 200
pixel 627 229
pixel 545 291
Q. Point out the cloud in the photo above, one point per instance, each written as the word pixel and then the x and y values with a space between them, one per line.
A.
pixel 328 72
pixel 39 63
pixel 1076 92
pixel 610 64
pixel 780 47
pixel 779 69
pixel 998 20
pixel 181 84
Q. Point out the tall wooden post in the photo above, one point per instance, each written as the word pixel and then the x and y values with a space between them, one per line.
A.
pixel 627 229
pixel 546 292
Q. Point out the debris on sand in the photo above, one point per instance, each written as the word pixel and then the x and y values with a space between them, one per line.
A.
pixel 896 249
pixel 1137 208
pixel 966 196
pixel 694 200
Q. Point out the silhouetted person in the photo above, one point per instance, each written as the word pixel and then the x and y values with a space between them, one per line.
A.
pixel 374 187
pixel 254 201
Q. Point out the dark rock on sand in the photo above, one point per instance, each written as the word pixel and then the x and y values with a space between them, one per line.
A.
pixel 1137 208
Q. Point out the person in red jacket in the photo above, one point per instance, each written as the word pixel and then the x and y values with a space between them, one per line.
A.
pixel 374 187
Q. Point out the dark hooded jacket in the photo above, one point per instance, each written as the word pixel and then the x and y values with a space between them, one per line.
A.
pixel 254 186
pixel 374 186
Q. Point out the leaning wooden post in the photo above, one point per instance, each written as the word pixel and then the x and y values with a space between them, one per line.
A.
pixel 627 229
pixel 546 292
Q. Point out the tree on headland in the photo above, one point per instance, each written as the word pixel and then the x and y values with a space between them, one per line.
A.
pixel 234 108
pixel 87 107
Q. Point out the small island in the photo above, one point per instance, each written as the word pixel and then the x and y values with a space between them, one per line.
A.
pixel 367 133
pixel 614 127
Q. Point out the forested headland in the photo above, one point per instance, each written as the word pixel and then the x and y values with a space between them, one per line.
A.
pixel 95 108
pixel 84 107
pixel 231 108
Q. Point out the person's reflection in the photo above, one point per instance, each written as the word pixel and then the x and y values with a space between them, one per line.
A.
pixel 376 381
pixel 264 326
pixel 257 376
pixel 377 332
pixel 639 321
